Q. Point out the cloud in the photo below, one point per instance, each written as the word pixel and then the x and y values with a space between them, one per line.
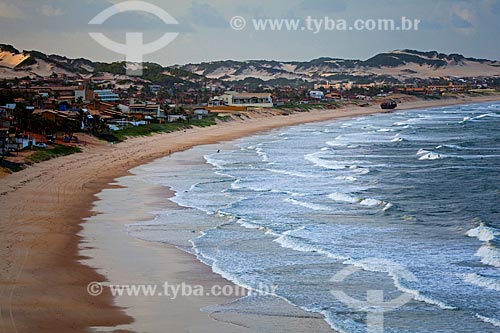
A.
pixel 205 15
pixel 49 10
pixel 462 16
pixel 9 10
pixel 459 22
pixel 324 5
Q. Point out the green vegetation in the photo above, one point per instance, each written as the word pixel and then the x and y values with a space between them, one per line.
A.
pixel 399 59
pixel 117 68
pixel 302 107
pixel 146 130
pixel 46 154
pixel 9 48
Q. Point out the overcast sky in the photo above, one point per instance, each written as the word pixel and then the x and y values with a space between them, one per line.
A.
pixel 469 27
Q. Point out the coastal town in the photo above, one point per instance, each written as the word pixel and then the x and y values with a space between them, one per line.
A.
pixel 41 113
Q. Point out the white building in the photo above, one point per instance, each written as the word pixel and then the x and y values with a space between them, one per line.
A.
pixel 106 95
pixel 231 98
pixel 317 94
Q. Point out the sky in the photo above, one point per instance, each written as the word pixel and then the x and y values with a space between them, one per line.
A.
pixel 468 27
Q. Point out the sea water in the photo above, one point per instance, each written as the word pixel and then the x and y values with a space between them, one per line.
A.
pixel 410 199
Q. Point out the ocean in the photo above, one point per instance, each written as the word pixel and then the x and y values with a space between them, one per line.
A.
pixel 403 203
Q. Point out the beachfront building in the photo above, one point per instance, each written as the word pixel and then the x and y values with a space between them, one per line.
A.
pixel 200 113
pixel 316 94
pixel 232 98
pixel 142 110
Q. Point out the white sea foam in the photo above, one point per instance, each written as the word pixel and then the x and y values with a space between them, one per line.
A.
pixel 216 163
pixel 289 241
pixel 320 162
pixel 342 197
pixel 335 144
pixel 349 178
pixel 431 157
pixel 236 186
pixel 371 202
pixel 466 119
pixel 386 130
pixel 489 255
pixel 395 271
pixel 482 281
pixel 331 320
pixel 484 233
pixel 387 206
pixel 213 263
pixel 248 225
pixel 398 274
pixel 306 204
pixel 292 173
pixel 361 171
pixel 492 115
pixel 262 154
pixel 367 202
pixel 455 147
pixel 422 152
pixel 486 115
pixel 492 321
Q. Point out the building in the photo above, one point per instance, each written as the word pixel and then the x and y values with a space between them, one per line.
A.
pixel 64 93
pixel 317 94
pixel 334 96
pixel 142 110
pixel 106 95
pixel 231 98
pixel 85 94
pixel 57 117
pixel 201 113
pixel 176 117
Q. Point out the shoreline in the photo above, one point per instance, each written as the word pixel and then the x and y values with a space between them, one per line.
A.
pixel 43 284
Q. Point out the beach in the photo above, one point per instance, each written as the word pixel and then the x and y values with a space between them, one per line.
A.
pixel 44 256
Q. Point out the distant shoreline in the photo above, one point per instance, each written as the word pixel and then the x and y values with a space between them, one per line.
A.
pixel 43 285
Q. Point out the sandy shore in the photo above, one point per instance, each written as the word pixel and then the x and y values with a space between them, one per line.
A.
pixel 42 281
